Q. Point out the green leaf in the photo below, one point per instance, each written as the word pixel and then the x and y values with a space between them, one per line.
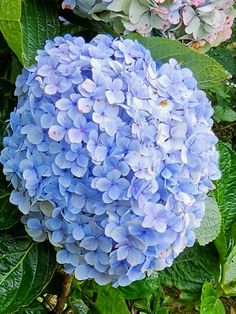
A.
pixel 9 215
pixel 76 303
pixel 221 243
pixel 224 56
pixel 226 188
pixel 224 113
pixel 210 304
pixel 141 288
pixel 26 267
pixel 163 311
pixel 10 67
pixel 26 25
pixel 110 301
pixel 210 226
pixel 233 232
pixel 142 306
pixel 207 71
pixel 10 14
pixel 223 98
pixel 34 308
pixel 192 268
pixel 229 274
pixel 7 101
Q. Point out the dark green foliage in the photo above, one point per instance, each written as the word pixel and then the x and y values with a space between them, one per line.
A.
pixel 25 269
pixel 226 188
pixel 191 269
pixel 229 274
pixel 9 215
pixel 210 303
pixel 33 308
pixel 141 289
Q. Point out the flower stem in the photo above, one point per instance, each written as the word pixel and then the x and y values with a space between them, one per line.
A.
pixel 66 286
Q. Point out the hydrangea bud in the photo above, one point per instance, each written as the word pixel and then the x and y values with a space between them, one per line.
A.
pixel 110 155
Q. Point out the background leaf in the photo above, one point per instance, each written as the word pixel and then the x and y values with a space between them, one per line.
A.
pixel 110 301
pixel 26 25
pixel 7 101
pixel 9 214
pixel 224 56
pixel 10 66
pixel 229 274
pixel 210 226
pixel 210 304
pixel 34 308
pixel 221 243
pixel 77 304
pixel 223 98
pixel 207 71
pixel 10 14
pixel 25 269
pixel 226 188
pixel 224 113
pixel 192 268
pixel 141 288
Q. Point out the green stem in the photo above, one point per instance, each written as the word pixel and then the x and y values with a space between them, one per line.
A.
pixel 5 195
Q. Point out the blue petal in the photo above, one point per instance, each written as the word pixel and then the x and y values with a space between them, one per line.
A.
pixel 89 243
pixel 35 135
pixel 34 223
pixel 57 236
pixel 82 272
pixel 122 252
pixel 78 233
pixel 62 257
pixel 119 234
pixel 114 192
pixel 135 257
pixel 56 132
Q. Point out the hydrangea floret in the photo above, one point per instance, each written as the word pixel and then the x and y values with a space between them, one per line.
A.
pixel 197 22
pixel 111 155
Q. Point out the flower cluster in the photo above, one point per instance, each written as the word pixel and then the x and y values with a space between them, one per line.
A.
pixel 111 155
pixel 198 22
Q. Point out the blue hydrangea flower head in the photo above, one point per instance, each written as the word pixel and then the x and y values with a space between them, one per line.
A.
pixel 111 156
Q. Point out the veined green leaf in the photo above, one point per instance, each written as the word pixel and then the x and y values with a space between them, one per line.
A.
pixel 221 243
pixel 26 24
pixel 26 267
pixel 229 274
pixel 34 308
pixel 226 188
pixel 141 288
pixel 77 304
pixel 210 303
pixel 9 215
pixel 192 268
pixel 110 301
